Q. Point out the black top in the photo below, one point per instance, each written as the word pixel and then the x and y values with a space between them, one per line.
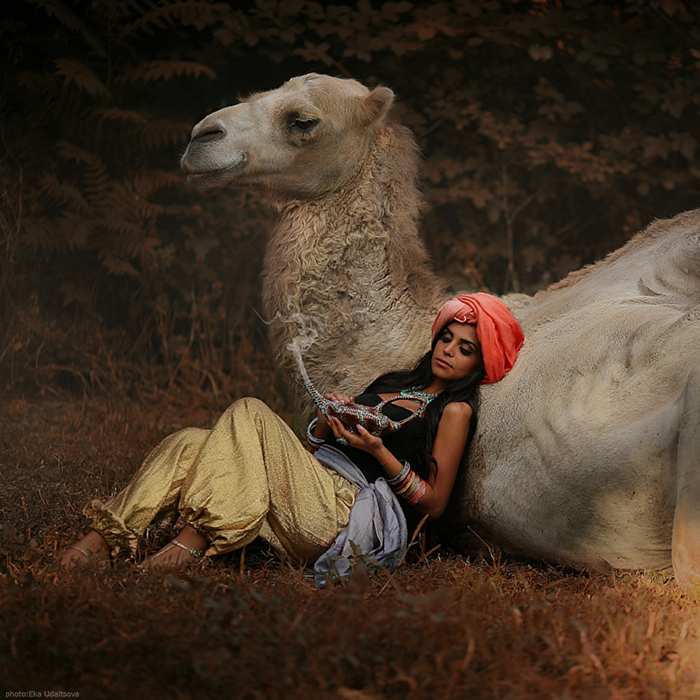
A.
pixel 404 444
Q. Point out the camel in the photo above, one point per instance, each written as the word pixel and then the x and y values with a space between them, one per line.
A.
pixel 588 453
pixel 346 251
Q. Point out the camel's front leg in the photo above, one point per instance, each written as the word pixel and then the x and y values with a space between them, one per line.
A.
pixel 686 523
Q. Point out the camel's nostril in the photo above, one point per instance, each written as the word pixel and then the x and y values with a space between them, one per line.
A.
pixel 212 134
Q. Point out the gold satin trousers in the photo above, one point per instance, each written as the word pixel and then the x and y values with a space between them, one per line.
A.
pixel 248 476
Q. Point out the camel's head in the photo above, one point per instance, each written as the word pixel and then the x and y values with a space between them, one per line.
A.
pixel 303 140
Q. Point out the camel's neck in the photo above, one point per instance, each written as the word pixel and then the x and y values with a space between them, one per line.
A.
pixel 354 260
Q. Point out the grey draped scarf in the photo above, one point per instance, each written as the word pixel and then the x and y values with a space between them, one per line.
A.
pixel 376 532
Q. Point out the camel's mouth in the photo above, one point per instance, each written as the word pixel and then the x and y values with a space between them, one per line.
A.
pixel 207 177
pixel 200 179
pixel 210 179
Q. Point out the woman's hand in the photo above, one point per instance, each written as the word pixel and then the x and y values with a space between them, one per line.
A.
pixel 338 398
pixel 363 440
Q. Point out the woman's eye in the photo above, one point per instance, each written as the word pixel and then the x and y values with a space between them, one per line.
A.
pixel 466 351
pixel 445 338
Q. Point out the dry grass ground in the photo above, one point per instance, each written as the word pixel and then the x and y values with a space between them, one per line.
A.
pixel 255 628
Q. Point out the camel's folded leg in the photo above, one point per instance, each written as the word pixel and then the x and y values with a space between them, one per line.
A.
pixel 686 523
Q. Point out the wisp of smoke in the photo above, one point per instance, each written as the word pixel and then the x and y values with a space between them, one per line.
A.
pixel 302 341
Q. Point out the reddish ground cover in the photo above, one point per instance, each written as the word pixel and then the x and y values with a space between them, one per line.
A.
pixel 254 627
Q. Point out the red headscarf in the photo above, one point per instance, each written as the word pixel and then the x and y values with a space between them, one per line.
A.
pixel 500 334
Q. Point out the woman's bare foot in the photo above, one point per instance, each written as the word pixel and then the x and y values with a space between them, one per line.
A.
pixel 188 546
pixel 92 549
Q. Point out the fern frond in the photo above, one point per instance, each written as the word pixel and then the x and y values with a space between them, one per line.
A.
pixel 122 115
pixel 63 233
pixel 170 12
pixel 136 245
pixel 71 21
pixel 148 210
pixel 164 14
pixel 120 197
pixel 83 77
pixel 97 182
pixel 121 227
pixel 163 132
pixel 72 231
pixel 72 152
pixel 148 181
pixel 165 70
pixel 149 244
pixel 64 193
pixel 119 266
pixel 40 234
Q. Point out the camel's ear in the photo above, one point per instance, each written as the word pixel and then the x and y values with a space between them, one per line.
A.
pixel 376 105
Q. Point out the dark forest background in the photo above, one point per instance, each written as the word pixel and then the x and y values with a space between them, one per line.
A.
pixel 552 131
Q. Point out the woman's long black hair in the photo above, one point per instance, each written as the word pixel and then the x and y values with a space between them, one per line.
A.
pixel 465 390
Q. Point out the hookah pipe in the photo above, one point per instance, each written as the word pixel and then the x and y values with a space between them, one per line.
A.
pixel 352 414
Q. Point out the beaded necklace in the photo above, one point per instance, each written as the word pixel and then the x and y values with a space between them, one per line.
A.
pixel 414 391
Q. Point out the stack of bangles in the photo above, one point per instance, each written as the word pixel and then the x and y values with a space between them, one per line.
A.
pixel 311 438
pixel 408 485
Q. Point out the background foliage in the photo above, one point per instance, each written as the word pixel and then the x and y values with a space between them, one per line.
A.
pixel 552 131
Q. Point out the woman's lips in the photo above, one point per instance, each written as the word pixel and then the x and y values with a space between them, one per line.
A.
pixel 443 363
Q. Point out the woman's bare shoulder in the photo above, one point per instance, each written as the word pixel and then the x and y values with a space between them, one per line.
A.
pixel 457 410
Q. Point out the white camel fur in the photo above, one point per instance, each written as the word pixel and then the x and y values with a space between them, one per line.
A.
pixel 588 452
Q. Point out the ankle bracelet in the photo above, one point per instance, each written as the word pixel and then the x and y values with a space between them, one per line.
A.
pixel 194 552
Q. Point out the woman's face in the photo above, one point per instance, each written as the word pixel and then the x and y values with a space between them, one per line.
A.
pixel 457 352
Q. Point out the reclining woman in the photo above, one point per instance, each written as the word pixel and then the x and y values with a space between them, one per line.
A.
pixel 250 476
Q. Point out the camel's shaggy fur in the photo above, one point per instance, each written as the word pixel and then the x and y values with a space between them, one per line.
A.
pixel 346 253
pixel 354 262
pixel 588 452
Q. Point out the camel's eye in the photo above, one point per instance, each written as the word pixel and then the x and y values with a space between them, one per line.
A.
pixel 302 125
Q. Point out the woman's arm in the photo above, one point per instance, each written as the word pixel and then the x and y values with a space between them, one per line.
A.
pixel 448 448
